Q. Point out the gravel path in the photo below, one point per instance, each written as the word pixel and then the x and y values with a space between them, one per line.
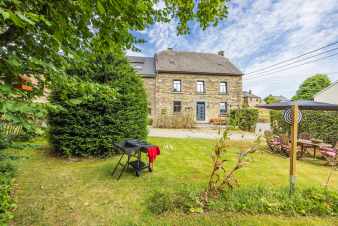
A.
pixel 199 133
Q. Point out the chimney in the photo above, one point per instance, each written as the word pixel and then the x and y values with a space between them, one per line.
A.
pixel 250 92
pixel 170 48
pixel 221 53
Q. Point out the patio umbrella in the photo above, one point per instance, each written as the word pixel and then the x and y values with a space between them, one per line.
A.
pixel 295 106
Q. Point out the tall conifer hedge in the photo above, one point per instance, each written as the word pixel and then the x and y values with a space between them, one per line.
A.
pixel 102 107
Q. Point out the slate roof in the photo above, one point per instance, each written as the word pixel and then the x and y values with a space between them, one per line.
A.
pixel 145 66
pixel 171 61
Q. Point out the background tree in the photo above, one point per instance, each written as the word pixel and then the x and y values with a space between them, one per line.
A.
pixel 311 86
pixel 270 99
pixel 41 37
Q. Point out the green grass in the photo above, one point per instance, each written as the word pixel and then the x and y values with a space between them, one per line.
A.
pixel 56 191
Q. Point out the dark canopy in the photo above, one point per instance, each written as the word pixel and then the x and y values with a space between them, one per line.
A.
pixel 302 104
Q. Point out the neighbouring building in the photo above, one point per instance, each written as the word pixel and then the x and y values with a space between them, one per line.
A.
pixel 250 99
pixel 279 98
pixel 328 95
pixel 206 84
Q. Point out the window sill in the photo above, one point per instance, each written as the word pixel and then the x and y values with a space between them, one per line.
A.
pixel 177 92
pixel 200 93
pixel 224 94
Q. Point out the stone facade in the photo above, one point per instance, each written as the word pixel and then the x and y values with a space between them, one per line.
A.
pixel 218 80
pixel 161 96
pixel 149 86
pixel 251 101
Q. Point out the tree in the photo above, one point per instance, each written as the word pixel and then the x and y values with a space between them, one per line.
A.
pixel 270 99
pixel 311 86
pixel 109 105
pixel 41 37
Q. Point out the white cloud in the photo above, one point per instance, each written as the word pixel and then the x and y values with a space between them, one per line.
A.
pixel 260 33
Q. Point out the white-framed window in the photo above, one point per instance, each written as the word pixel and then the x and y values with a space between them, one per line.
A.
pixel 177 86
pixel 223 87
pixel 223 108
pixel 177 106
pixel 200 87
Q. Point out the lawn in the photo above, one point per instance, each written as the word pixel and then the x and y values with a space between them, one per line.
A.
pixel 55 191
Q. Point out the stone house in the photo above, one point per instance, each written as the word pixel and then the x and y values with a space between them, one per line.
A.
pixel 250 99
pixel 205 84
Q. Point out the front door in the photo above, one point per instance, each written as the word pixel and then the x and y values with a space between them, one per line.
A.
pixel 200 111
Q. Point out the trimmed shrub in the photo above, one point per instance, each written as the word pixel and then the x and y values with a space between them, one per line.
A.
pixel 93 116
pixel 320 124
pixel 244 118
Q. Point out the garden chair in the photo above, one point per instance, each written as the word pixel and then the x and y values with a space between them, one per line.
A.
pixel 330 154
pixel 272 141
pixel 284 144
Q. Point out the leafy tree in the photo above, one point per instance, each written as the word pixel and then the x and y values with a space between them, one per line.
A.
pixel 311 86
pixel 270 99
pixel 40 37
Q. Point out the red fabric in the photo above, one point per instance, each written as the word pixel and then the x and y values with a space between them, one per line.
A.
pixel 153 152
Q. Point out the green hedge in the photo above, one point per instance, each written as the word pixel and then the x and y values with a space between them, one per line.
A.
pixel 244 118
pixel 320 124
pixel 93 116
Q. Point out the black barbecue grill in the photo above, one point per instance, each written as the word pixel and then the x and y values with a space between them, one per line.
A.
pixel 132 149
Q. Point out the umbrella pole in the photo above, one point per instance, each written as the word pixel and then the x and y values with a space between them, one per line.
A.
pixel 293 152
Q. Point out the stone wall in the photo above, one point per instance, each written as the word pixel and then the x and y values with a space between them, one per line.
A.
pixel 149 86
pixel 189 96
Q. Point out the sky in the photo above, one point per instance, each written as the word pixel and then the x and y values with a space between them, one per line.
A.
pixel 260 33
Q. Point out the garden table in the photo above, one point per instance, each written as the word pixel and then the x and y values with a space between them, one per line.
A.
pixel 303 144
pixel 318 146
pixel 315 144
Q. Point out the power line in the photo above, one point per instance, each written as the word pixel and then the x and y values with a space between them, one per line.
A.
pixel 322 58
pixel 293 58
pixel 328 73
pixel 296 61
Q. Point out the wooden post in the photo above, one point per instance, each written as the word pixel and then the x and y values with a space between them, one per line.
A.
pixel 293 151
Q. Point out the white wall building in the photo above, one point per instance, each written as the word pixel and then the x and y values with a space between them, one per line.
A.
pixel 329 94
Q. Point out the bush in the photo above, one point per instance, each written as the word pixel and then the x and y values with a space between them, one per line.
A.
pixel 320 124
pixel 93 116
pixel 245 118
pixel 7 168
pixel 7 171
pixel 4 140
